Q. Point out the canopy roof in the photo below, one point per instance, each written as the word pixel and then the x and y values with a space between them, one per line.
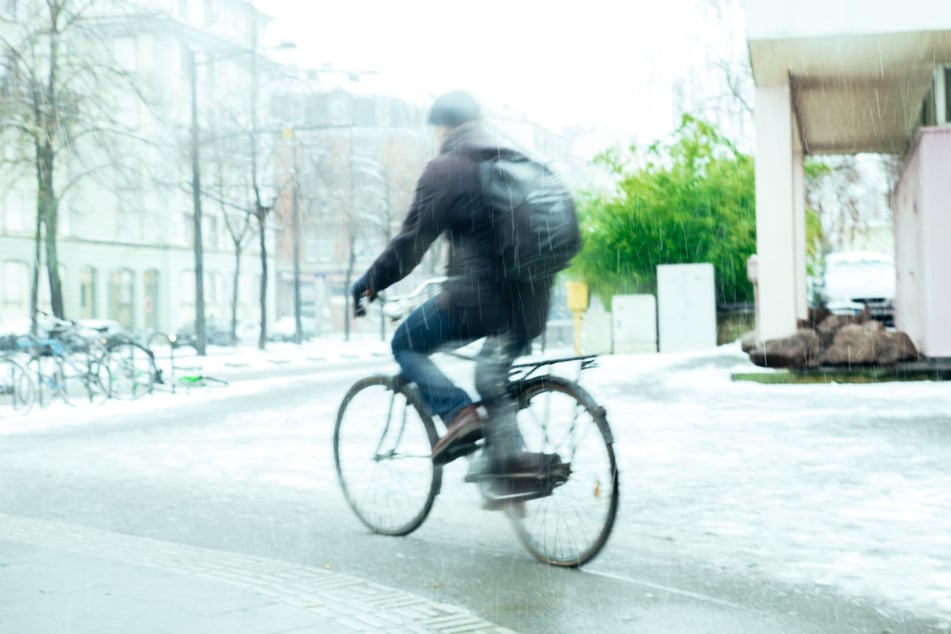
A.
pixel 852 91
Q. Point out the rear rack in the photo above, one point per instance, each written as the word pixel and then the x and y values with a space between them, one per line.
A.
pixel 587 361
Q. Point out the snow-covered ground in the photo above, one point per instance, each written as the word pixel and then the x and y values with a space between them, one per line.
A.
pixel 845 486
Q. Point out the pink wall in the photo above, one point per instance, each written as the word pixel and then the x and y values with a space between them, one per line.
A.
pixel 923 243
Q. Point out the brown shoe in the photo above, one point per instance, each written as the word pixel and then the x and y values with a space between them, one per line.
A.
pixel 460 437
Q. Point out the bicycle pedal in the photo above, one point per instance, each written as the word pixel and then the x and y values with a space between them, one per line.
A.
pixel 515 499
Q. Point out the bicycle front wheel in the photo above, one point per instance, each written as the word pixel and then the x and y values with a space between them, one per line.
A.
pixel 383 443
pixel 570 526
pixel 17 389
pixel 132 368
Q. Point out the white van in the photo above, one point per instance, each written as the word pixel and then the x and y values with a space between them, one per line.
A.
pixel 856 280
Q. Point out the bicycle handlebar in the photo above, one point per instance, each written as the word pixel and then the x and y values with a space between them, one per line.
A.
pixel 416 292
pixel 396 307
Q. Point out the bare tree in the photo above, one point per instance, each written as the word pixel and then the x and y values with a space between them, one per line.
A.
pixel 718 87
pixel 850 196
pixel 237 222
pixel 244 160
pixel 61 97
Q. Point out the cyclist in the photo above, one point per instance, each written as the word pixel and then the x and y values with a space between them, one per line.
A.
pixel 475 302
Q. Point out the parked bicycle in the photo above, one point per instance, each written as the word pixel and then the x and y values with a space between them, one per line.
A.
pixel 132 371
pixel 166 347
pixel 200 380
pixel 383 439
pixel 133 367
pixel 61 363
pixel 17 388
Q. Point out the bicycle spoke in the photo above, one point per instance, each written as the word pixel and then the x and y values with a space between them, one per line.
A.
pixel 17 389
pixel 383 455
pixel 570 526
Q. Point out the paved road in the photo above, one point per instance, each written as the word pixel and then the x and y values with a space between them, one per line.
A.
pixel 247 474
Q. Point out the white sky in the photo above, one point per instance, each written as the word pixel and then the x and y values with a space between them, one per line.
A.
pixel 600 63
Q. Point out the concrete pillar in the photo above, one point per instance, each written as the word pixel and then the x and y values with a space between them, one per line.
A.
pixel 780 218
pixel 800 283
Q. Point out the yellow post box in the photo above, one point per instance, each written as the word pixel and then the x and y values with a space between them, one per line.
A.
pixel 578 303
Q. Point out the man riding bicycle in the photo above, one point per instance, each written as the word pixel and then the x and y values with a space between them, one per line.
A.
pixel 477 300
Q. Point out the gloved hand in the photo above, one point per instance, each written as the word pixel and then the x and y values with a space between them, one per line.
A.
pixel 361 294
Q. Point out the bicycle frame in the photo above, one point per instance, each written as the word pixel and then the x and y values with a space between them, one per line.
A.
pixel 378 453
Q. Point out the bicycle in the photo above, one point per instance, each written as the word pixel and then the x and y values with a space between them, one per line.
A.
pixel 132 372
pixel 383 439
pixel 133 367
pixel 201 380
pixel 167 345
pixel 17 389
pixel 53 363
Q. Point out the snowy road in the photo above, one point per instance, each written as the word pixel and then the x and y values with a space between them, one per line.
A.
pixel 808 490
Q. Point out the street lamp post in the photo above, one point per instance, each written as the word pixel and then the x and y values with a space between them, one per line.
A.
pixel 196 201
pixel 295 219
pixel 200 330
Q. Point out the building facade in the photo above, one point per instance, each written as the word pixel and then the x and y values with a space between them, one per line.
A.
pixel 125 237
pixel 328 161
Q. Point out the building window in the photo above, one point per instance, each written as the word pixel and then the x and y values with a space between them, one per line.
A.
pixel 121 297
pixel 15 212
pixel 150 285
pixel 311 250
pixel 15 297
pixel 188 229
pixel 210 232
pixel 213 294
pixel 211 16
pixel 87 293
pixel 338 110
pixel 325 249
pixel 186 290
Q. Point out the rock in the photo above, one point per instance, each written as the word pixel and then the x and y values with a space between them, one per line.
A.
pixel 896 346
pixel 854 344
pixel 748 342
pixel 801 350
pixel 837 340
pixel 827 328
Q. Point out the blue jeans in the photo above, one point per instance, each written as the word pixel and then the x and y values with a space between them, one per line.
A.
pixel 430 328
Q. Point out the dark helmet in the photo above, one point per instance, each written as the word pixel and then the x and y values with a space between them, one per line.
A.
pixel 454 108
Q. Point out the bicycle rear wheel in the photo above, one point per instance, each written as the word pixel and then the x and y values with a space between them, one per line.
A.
pixel 17 389
pixel 133 371
pixel 570 526
pixel 98 382
pixel 383 443
pixel 48 372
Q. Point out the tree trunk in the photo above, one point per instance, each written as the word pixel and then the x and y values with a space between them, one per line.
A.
pixel 48 215
pixel 234 293
pixel 262 336
pixel 37 263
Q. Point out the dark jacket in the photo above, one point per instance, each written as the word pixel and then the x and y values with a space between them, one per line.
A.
pixel 448 201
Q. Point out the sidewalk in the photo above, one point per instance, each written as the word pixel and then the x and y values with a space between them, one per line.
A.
pixel 58 577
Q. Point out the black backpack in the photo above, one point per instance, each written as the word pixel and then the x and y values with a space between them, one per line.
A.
pixel 534 218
